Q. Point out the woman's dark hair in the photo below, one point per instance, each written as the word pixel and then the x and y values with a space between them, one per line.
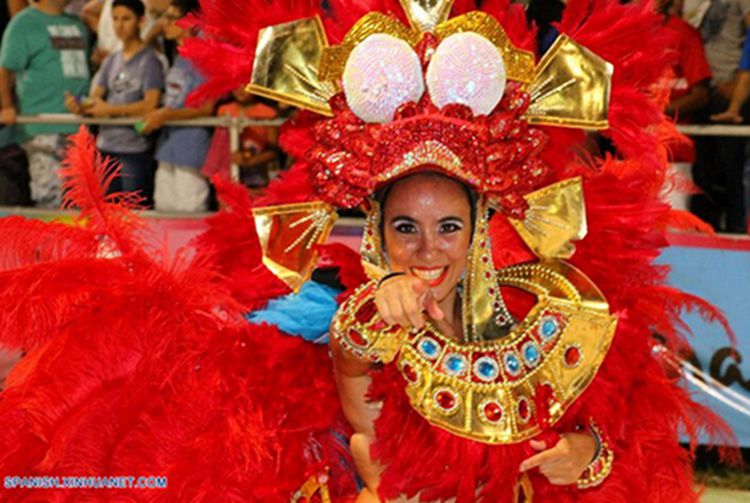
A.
pixel 381 195
pixel 134 5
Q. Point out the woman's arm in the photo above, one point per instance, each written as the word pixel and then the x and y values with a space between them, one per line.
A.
pixel 353 382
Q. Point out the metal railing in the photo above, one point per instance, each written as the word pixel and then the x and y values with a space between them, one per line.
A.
pixel 233 124
pixel 236 124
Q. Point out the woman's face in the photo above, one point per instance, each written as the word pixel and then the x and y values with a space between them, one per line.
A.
pixel 427 231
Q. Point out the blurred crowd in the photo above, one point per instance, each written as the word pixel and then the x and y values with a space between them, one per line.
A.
pixel 708 84
pixel 120 58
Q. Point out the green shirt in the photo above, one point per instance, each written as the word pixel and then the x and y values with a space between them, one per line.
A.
pixel 48 55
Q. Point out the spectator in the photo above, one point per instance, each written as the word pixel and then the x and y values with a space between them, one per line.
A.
pixel 258 156
pixel 181 151
pixel 131 80
pixel 692 74
pixel 688 85
pixel 97 14
pixel 719 165
pixel 45 52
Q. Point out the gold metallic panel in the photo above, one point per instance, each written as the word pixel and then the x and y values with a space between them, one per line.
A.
pixel 519 64
pixel 286 65
pixel 288 234
pixel 482 307
pixel 425 15
pixel 563 292
pixel 555 217
pixel 333 60
pixel 371 247
pixel 570 88
pixel 430 152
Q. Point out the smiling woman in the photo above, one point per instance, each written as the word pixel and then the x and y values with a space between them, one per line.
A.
pixel 427 227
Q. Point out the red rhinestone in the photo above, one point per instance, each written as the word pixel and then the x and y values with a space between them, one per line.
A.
pixel 523 409
pixel 445 399
pixel 366 311
pixel 379 325
pixel 597 468
pixel 493 412
pixel 357 338
pixel 572 356
pixel 410 374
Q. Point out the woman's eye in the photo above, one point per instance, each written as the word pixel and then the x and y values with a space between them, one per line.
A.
pixel 406 228
pixel 449 227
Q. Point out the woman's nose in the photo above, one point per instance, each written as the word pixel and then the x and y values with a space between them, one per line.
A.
pixel 428 246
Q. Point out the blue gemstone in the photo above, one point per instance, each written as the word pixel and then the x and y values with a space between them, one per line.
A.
pixel 487 369
pixel 428 347
pixel 455 364
pixel 549 328
pixel 531 354
pixel 512 364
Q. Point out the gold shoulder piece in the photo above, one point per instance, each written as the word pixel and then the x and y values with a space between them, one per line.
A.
pixel 425 15
pixel 334 58
pixel 286 65
pixel 519 64
pixel 287 235
pixel 570 87
pixel 555 217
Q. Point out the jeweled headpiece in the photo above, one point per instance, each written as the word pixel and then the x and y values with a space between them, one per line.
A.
pixel 452 93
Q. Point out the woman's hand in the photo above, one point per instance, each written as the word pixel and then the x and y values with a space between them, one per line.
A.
pixel 564 463
pixel 402 299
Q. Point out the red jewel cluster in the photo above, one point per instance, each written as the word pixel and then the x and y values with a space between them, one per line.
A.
pixel 498 152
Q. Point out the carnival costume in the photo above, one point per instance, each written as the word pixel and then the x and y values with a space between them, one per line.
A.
pixel 188 367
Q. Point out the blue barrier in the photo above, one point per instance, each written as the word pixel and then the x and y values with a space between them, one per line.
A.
pixel 718 270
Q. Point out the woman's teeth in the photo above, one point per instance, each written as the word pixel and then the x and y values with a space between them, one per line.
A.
pixel 428 274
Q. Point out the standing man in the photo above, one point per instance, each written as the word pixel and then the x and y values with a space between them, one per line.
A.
pixel 44 54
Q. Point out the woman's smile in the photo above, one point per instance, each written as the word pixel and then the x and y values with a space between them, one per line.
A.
pixel 433 276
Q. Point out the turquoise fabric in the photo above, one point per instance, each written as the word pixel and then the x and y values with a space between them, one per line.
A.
pixel 306 314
